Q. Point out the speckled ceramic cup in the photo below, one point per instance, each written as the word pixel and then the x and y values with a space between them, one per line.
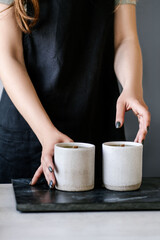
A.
pixel 122 165
pixel 74 166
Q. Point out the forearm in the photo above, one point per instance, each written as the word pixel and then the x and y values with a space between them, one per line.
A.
pixel 128 65
pixel 128 69
pixel 21 91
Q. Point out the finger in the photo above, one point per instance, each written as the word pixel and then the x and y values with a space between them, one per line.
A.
pixel 49 173
pixel 147 120
pixel 141 135
pixel 71 140
pixel 47 176
pixel 144 121
pixel 142 111
pixel 67 139
pixel 48 168
pixel 120 112
pixel 37 175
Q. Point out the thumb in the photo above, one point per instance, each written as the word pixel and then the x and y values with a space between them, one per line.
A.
pixel 120 112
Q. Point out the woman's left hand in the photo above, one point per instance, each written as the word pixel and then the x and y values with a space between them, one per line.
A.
pixel 133 101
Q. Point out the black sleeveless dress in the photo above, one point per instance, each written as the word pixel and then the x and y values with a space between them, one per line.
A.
pixel 69 57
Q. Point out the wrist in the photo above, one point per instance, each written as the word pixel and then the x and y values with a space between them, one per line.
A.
pixel 134 89
pixel 47 135
pixel 45 131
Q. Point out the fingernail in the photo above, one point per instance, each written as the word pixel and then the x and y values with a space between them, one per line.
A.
pixel 148 128
pixel 50 169
pixel 51 184
pixel 30 183
pixel 118 124
pixel 143 141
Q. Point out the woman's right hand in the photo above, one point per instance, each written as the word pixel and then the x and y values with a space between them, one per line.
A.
pixel 47 166
pixel 21 90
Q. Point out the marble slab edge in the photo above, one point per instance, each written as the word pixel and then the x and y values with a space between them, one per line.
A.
pixel 88 207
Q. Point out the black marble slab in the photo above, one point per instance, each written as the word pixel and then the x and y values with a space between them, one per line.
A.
pixel 40 198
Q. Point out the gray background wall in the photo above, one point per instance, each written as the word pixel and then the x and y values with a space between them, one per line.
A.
pixel 148 19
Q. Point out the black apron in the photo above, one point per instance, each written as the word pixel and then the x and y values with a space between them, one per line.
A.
pixel 69 57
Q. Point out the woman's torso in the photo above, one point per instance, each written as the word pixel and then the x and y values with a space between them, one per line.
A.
pixel 69 57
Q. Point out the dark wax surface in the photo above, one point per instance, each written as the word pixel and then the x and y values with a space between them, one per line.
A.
pixel 40 198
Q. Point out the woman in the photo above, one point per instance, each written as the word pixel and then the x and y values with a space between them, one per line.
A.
pixel 60 80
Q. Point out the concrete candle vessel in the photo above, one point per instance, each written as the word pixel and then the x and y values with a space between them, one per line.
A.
pixel 74 166
pixel 122 165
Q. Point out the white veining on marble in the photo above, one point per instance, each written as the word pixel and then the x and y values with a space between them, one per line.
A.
pixel 123 199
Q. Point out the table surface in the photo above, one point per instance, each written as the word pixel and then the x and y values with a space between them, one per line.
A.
pixel 127 225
